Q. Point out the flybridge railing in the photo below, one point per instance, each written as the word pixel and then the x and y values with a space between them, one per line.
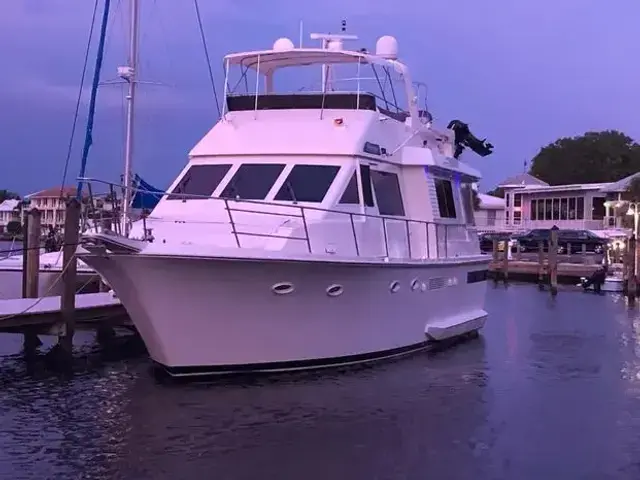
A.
pixel 318 231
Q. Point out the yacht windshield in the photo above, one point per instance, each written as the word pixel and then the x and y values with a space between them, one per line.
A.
pixel 252 181
pixel 199 182
pixel 307 183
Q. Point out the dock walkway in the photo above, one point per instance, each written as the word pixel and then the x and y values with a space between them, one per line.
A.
pixel 44 313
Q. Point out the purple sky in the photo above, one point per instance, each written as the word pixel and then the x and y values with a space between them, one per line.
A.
pixel 521 74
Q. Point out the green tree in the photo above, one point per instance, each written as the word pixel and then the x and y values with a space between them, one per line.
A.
pixel 14 227
pixel 594 157
pixel 7 195
pixel 496 192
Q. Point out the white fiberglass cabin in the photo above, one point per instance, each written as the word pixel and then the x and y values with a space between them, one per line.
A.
pixel 309 228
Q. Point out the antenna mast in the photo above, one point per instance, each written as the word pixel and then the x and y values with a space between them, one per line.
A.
pixel 129 74
pixel 332 42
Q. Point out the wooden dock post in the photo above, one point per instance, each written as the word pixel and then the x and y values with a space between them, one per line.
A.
pixel 505 262
pixel 541 264
pixel 25 250
pixel 32 273
pixel 553 261
pixel 495 260
pixel 632 283
pixel 70 265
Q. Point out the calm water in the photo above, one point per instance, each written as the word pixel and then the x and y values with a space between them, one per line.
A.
pixel 551 390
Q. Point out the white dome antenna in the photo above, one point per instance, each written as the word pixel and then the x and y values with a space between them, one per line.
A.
pixel 283 44
pixel 387 47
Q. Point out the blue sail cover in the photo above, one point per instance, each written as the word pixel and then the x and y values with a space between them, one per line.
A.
pixel 146 196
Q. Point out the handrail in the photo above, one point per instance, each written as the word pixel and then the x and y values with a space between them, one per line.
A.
pixel 300 212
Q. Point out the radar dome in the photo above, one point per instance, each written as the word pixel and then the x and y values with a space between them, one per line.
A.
pixel 387 47
pixel 334 45
pixel 282 44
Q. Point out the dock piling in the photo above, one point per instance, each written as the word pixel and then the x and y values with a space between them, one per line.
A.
pixel 31 271
pixel 495 260
pixel 69 273
pixel 553 261
pixel 632 283
pixel 33 253
pixel 541 265
pixel 505 262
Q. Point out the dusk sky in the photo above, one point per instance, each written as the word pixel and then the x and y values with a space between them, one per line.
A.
pixel 521 73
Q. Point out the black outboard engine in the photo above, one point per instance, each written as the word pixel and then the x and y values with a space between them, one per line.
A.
pixel 464 138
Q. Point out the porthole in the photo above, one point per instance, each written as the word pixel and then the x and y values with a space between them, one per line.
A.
pixel 394 286
pixel 282 288
pixel 334 290
pixel 415 284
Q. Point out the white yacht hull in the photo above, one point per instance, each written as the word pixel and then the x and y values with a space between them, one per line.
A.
pixel 220 315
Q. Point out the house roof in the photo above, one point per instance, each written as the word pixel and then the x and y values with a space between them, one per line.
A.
pixel 489 202
pixel 56 192
pixel 522 180
pixel 9 205
pixel 621 185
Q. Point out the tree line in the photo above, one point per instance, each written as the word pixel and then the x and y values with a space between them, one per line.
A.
pixel 595 157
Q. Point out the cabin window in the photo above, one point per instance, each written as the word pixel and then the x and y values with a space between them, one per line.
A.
pixel 252 181
pixel 350 195
pixel 387 188
pixel 564 208
pixel 199 182
pixel 367 191
pixel 307 183
pixel 444 192
pixel 468 203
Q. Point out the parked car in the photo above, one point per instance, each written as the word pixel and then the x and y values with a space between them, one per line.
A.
pixel 576 238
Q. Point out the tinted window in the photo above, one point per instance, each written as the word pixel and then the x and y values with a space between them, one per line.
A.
pixel 350 195
pixel 252 181
pixel 467 203
pixel 580 208
pixel 444 193
pixel 199 181
pixel 307 183
pixel 367 192
pixel 534 210
pixel 388 194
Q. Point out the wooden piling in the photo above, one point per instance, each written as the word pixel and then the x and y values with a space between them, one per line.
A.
pixel 540 264
pixel 505 262
pixel 585 258
pixel 495 259
pixel 69 274
pixel 32 273
pixel 632 283
pixel 553 261
pixel 25 250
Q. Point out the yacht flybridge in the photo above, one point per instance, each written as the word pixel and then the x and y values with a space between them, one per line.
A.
pixel 310 227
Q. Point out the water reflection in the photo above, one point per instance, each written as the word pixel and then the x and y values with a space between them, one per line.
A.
pixel 550 391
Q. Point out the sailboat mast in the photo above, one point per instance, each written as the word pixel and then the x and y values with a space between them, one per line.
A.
pixel 131 78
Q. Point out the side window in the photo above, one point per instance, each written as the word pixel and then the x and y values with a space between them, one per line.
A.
pixel 446 204
pixel 387 188
pixel 252 181
pixel 468 202
pixel 307 183
pixel 199 181
pixel 350 195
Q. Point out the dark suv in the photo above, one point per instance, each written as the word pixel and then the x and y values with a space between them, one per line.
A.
pixel 595 244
